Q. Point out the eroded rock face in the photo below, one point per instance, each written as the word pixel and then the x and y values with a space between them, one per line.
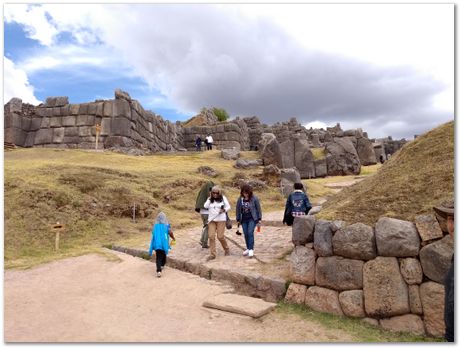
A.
pixel 396 238
pixel 342 158
pixel 323 300
pixel 302 265
pixel 405 323
pixel 352 303
pixel 289 177
pixel 269 150
pixel 365 150
pixel 230 154
pixel 411 271
pixel 414 300
pixel 432 297
pixel 322 240
pixel 436 257
pixel 246 163
pixel 385 291
pixel 303 229
pixel 427 227
pixel 339 273
pixel 296 293
pixel 356 241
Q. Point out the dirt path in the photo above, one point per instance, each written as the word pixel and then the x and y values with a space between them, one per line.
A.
pixel 89 299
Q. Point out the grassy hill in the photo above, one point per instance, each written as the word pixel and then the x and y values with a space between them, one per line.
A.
pixel 415 179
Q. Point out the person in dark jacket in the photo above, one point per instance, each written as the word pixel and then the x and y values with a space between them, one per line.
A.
pixel 198 143
pixel 199 208
pixel 445 217
pixel 248 214
pixel 297 204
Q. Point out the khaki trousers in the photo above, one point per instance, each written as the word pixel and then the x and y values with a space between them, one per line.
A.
pixel 219 228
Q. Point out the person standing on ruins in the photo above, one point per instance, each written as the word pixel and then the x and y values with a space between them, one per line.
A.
pixel 445 213
pixel 210 141
pixel 297 204
pixel 198 143
pixel 161 232
pixel 248 214
pixel 218 206
pixel 199 208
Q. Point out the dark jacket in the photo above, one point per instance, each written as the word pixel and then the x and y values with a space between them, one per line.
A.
pixel 449 303
pixel 254 206
pixel 296 202
pixel 203 195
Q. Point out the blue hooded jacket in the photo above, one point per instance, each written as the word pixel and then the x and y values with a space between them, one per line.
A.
pixel 160 238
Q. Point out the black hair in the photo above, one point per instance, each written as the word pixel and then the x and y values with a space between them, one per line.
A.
pixel 298 186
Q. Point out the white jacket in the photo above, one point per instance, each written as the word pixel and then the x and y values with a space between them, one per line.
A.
pixel 214 209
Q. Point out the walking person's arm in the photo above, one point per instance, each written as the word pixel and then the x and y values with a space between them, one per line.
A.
pixel 259 210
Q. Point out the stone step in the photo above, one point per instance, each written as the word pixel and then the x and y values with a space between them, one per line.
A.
pixel 253 307
pixel 244 282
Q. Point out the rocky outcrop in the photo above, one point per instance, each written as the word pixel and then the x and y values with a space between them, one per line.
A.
pixel 356 241
pixel 396 238
pixel 435 258
pixel 270 151
pixel 342 158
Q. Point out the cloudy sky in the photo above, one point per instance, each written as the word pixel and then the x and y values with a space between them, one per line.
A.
pixel 387 68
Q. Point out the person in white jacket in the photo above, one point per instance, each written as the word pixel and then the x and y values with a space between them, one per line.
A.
pixel 217 205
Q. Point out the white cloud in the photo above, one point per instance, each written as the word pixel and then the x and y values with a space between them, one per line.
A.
pixel 16 84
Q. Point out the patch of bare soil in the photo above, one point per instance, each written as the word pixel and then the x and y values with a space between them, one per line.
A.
pixel 89 299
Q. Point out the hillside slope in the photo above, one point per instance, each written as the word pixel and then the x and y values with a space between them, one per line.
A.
pixel 417 177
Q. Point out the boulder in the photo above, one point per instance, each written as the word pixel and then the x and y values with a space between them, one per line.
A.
pixel 356 241
pixel 296 293
pixel 56 101
pixel 432 297
pixel 415 302
pixel 404 323
pixel 436 257
pixel 208 171
pixel 303 229
pixel 385 291
pixel 322 238
pixel 342 158
pixel 320 167
pixel 118 141
pixel 339 273
pixel 411 270
pixel 427 227
pixel 14 105
pixel 323 300
pixel 296 152
pixel 247 164
pixel 352 303
pixel 302 265
pixel 365 150
pixel 288 178
pixel 269 150
pixel 271 169
pixel 396 238
pixel 119 94
pixel 230 154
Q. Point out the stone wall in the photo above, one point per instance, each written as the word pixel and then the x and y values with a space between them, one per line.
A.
pixel 390 274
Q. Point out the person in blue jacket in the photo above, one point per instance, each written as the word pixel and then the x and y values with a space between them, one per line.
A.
pixel 161 232
pixel 248 214
pixel 297 204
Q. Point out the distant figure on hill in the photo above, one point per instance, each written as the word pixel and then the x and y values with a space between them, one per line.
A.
pixel 382 159
pixel 198 143
pixel 248 214
pixel 446 213
pixel 209 142
pixel 218 206
pixel 161 232
pixel 297 204
pixel 199 208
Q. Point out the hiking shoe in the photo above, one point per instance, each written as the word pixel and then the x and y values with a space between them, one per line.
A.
pixel 246 252
pixel 227 252
pixel 251 253
pixel 205 246
pixel 158 274
pixel 210 257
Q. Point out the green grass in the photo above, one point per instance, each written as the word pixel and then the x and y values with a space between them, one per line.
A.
pixel 362 332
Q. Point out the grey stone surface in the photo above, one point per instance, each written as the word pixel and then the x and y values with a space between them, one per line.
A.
pixel 56 101
pixel 230 154
pixel 322 238
pixel 43 136
pixel 296 293
pixel 342 158
pixel 415 302
pixel 352 303
pixel 68 121
pixel 427 227
pixel 246 164
pixel 269 150
pixel 411 270
pixel 435 258
pixel 432 297
pixel 404 323
pixel 121 126
pixel 55 122
pixel 323 300
pixel 303 229
pixel 245 305
pixel 355 241
pixel 385 291
pixel 339 273
pixel 365 151
pixel 14 105
pixel 58 135
pixel 396 238
pixel 302 265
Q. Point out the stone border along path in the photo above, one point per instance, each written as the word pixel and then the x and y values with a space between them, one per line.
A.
pixel 264 276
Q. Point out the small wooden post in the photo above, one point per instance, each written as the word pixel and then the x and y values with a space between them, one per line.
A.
pixel 57 228
pixel 98 130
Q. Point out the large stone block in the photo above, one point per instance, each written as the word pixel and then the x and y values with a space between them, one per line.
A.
pixel 106 126
pixel 56 101
pixel 432 296
pixel 320 168
pixel 84 131
pixel 385 291
pixel 92 108
pixel 71 139
pixel 397 238
pixel 411 270
pixel 302 265
pixel 356 241
pixel 49 112
pixel 338 273
pixel 35 123
pixel 415 302
pixel 13 120
pixel 15 135
pixel 121 126
pixel 435 258
pixel 405 323
pixel 65 110
pixel 74 109
pixel 303 229
pixel 83 109
pixel 71 131
pixel 121 108
pixel 57 111
pixel 14 105
pixel 44 136
pixel 40 111
pixel 30 139
pixel 45 122
pixel 58 135
pixel 296 293
pixel 100 109
pixel 69 121
pixel 427 227
pixel 26 123
pixel 352 303
pixel 323 300
pixel 322 238
pixel 55 122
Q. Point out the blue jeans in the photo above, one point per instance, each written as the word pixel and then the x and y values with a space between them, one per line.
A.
pixel 248 230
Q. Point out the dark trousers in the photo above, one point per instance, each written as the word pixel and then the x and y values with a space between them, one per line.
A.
pixel 160 259
pixel 209 145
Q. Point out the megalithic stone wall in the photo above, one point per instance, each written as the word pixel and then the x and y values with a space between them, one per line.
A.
pixel 124 123
pixel 390 273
